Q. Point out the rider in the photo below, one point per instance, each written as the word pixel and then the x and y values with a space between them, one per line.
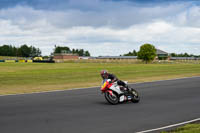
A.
pixel 113 78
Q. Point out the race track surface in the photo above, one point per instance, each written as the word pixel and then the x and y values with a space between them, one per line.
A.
pixel 86 111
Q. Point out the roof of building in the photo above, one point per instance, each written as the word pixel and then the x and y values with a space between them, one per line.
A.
pixel 184 58
pixel 116 57
pixel 158 51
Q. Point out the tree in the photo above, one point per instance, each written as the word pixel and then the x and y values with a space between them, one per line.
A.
pixel 25 50
pixel 73 51
pixel 173 55
pixel 14 51
pixel 8 50
pixel 59 49
pixel 87 53
pixel 147 53
pixel 183 55
pixel 134 53
pixel 34 52
pixel 5 50
pixel 80 52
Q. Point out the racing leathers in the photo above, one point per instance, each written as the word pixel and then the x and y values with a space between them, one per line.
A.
pixel 113 78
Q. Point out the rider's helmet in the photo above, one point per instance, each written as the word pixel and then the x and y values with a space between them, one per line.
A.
pixel 104 74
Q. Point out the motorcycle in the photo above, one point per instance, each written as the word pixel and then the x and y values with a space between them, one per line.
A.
pixel 115 94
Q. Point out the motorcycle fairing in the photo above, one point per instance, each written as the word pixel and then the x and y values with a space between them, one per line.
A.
pixel 106 85
pixel 115 87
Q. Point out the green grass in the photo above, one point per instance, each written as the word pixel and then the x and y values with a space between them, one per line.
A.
pixel 10 58
pixel 189 128
pixel 36 77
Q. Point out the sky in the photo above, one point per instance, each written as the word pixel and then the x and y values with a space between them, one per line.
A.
pixel 103 27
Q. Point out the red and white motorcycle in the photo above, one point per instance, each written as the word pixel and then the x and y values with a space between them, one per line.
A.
pixel 115 94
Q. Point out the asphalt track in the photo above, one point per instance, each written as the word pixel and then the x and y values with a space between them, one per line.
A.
pixel 86 111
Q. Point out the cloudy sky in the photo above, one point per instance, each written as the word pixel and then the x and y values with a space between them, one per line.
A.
pixel 103 27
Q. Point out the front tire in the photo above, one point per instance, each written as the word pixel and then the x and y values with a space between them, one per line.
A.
pixel 112 99
pixel 136 97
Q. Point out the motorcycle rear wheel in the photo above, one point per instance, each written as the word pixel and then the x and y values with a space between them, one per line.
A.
pixel 112 99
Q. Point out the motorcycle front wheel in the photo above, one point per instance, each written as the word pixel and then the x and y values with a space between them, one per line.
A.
pixel 112 99
pixel 136 97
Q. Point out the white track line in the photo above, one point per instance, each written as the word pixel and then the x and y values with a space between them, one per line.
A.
pixel 170 126
pixel 97 86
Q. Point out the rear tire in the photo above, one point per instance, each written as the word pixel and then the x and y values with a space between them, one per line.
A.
pixel 112 99
pixel 136 97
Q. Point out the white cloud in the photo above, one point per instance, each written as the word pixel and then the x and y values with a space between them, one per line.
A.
pixel 172 28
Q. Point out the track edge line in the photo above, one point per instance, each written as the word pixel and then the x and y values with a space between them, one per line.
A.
pixel 169 126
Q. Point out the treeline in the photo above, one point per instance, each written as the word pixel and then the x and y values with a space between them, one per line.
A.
pixel 22 51
pixel 134 53
pixel 26 51
pixel 80 52
pixel 183 55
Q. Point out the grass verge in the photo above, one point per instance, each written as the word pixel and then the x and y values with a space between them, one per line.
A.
pixel 20 78
pixel 189 128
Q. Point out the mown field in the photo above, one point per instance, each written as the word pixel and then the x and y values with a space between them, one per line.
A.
pixel 18 78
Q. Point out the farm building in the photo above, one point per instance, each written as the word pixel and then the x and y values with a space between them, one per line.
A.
pixel 116 57
pixel 161 55
pixel 184 58
pixel 85 57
